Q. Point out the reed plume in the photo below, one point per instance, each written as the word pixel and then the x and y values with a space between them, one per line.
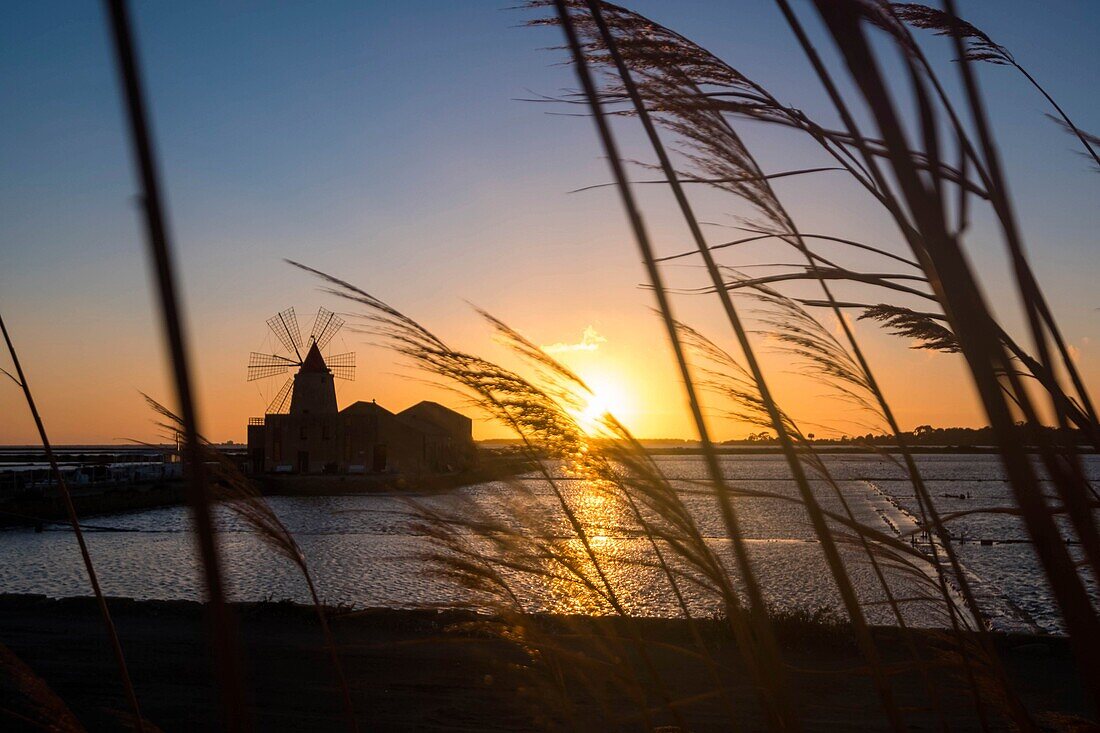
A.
pixel 980 47
pixel 236 492
pixel 689 90
pixel 924 328
pixel 513 560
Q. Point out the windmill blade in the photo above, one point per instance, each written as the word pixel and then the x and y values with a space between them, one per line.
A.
pixel 342 366
pixel 281 404
pixel 325 326
pixel 285 327
pixel 262 366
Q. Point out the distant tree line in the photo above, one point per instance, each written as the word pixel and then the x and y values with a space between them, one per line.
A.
pixel 928 435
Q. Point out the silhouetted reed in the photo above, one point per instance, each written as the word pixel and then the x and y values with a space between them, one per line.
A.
pixel 514 559
pixel 961 297
pixel 980 47
pixel 20 379
pixel 29 701
pixel 676 86
pixel 220 622
pixel 543 546
pixel 690 92
pixel 234 491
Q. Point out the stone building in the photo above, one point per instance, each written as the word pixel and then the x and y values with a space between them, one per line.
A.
pixel 364 437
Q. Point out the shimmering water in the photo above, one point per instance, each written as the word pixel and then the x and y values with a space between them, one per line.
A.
pixel 367 551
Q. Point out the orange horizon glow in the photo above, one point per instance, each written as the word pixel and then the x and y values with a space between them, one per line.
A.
pixel 451 192
pixel 635 382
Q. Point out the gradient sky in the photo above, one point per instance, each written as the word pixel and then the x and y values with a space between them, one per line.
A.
pixel 386 143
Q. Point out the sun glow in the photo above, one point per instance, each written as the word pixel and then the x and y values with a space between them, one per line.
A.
pixel 608 397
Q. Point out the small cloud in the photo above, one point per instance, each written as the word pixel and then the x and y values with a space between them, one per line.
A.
pixel 590 341
pixel 1074 353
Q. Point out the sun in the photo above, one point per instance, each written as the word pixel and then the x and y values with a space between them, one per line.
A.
pixel 608 397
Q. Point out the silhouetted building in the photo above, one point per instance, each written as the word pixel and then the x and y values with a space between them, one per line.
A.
pixel 364 437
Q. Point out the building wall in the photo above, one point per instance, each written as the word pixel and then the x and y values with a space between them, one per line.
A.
pixel 373 434
pixel 287 437
pixel 314 393
pixel 364 437
pixel 370 440
pixel 449 443
pixel 256 448
pixel 460 427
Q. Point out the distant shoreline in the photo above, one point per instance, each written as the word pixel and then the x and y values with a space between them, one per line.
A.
pixel 103 500
pixel 14 454
pixel 823 448
pixel 830 449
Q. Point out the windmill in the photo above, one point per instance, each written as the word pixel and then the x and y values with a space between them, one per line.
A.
pixel 300 357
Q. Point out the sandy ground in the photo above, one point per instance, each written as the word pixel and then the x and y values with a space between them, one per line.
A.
pixel 412 670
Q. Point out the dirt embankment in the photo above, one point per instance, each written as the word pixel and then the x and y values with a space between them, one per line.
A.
pixel 420 670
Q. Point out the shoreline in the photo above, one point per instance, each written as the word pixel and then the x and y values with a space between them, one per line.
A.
pixel 439 670
pixel 831 449
pixel 110 500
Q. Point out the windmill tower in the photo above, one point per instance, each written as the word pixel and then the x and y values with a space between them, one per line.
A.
pixel 312 388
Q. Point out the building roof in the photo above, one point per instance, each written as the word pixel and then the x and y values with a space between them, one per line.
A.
pixel 443 420
pixel 429 405
pixel 313 362
pixel 361 407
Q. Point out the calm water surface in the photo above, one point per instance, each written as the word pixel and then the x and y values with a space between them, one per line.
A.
pixel 367 551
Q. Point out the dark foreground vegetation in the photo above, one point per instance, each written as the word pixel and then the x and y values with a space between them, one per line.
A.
pixel 427 670
pixel 916 135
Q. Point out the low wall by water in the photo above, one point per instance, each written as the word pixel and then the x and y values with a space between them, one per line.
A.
pixel 34 509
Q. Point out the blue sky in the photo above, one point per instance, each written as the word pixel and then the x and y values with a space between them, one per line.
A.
pixel 386 142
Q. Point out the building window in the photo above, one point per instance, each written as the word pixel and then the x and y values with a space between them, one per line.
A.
pixel 302 433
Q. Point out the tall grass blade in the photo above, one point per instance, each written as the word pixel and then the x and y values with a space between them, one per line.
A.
pixel 20 378
pixel 220 622
pixel 981 47
pixel 976 330
pixel 768 655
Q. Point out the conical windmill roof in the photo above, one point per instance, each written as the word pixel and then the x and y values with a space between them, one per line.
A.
pixel 313 362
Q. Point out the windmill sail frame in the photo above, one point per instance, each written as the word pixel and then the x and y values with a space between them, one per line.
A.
pixel 342 366
pixel 262 366
pixel 325 326
pixel 284 325
pixel 281 404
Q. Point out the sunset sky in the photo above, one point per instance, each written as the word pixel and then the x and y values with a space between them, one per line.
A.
pixel 389 144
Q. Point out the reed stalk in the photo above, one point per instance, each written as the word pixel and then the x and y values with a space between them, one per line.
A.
pixel 779 709
pixel 836 565
pixel 20 378
pixel 235 491
pixel 964 305
pixel 947 23
pixel 221 625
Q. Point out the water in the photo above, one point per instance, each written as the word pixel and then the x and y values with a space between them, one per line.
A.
pixel 367 551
